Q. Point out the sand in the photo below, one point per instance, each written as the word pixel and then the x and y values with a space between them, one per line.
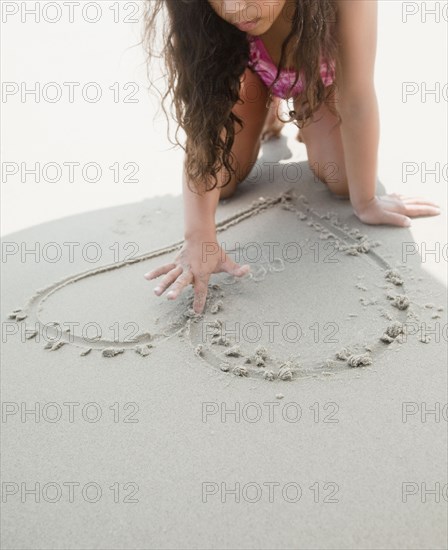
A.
pixel 305 451
pixel 322 412
pixel 306 332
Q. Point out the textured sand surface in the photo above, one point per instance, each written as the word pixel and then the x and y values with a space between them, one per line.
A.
pixel 316 448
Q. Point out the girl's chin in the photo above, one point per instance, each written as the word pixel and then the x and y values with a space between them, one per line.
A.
pixel 257 31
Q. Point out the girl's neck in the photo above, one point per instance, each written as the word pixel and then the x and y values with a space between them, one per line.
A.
pixel 274 37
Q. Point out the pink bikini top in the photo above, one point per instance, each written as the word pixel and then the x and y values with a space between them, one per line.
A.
pixel 261 62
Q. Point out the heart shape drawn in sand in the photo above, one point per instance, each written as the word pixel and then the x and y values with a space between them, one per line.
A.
pixel 324 297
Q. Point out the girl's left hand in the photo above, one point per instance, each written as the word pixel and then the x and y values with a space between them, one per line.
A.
pixel 395 210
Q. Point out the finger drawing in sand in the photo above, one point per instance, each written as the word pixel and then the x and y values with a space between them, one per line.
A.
pixel 229 70
pixel 374 313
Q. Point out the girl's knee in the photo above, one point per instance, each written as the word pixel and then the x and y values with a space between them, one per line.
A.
pixel 333 176
pixel 340 192
pixel 339 188
pixel 227 191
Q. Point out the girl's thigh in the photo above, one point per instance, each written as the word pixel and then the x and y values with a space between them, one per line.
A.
pixel 322 138
pixel 251 108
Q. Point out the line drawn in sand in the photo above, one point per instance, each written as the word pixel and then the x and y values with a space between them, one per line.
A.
pixel 261 363
pixel 258 364
pixel 141 343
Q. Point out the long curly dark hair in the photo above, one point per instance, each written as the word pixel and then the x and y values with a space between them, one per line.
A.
pixel 206 56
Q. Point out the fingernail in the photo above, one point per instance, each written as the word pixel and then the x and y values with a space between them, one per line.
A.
pixel 157 289
pixel 170 294
pixel 408 222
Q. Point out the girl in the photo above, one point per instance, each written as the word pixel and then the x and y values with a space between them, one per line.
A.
pixel 231 62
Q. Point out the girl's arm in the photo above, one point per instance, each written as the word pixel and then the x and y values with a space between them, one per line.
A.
pixel 358 107
pixel 199 211
pixel 356 97
pixel 201 255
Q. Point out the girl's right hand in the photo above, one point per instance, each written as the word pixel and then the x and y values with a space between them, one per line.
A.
pixel 199 257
